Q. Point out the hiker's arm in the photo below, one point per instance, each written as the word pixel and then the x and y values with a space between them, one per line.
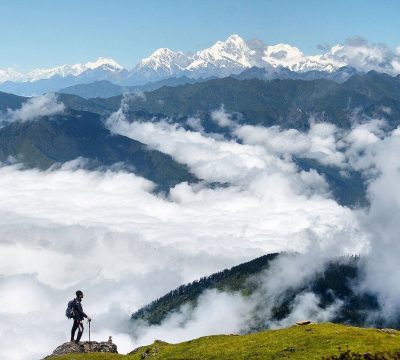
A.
pixel 86 316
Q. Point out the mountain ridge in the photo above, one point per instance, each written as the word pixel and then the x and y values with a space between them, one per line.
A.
pixel 333 282
pixel 55 140
pixel 224 58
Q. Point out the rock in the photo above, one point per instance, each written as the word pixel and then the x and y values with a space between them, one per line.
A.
pixel 389 331
pixel 160 342
pixel 145 354
pixel 304 322
pixel 146 351
pixel 84 347
pixel 290 349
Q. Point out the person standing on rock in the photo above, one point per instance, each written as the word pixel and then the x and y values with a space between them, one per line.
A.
pixel 78 316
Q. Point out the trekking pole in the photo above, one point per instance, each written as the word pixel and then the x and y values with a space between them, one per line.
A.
pixel 90 344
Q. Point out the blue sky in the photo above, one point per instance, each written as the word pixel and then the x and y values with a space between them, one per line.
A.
pixel 45 33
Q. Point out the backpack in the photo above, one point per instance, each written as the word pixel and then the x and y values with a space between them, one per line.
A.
pixel 69 313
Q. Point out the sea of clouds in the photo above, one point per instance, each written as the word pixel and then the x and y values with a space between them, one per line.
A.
pixel 108 234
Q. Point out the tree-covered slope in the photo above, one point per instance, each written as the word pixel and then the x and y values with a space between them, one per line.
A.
pixel 10 101
pixel 330 284
pixel 288 103
pixel 46 141
pixel 106 89
pixel 234 279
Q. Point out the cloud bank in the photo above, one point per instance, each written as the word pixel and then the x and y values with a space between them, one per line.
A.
pixel 106 233
pixel 224 58
pixel 274 148
pixel 36 107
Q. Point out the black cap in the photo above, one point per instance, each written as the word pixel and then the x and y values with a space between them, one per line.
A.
pixel 79 293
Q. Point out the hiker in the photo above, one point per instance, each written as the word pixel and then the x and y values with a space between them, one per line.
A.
pixel 78 316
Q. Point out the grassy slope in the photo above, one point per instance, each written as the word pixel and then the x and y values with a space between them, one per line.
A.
pixel 297 342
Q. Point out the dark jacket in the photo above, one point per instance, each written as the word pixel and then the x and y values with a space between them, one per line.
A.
pixel 78 311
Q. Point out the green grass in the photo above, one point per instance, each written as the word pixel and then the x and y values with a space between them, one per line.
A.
pixel 306 342
pixel 93 356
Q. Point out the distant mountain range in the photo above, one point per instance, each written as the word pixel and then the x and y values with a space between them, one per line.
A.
pixel 105 88
pixel 287 103
pixel 57 139
pixel 230 57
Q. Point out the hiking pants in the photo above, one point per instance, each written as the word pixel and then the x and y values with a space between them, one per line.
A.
pixel 78 324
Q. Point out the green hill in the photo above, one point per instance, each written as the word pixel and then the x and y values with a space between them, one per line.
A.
pixel 331 283
pixel 288 103
pixel 306 342
pixel 61 138
pixel 234 279
pixel 10 101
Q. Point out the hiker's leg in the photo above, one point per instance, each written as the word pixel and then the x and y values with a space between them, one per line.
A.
pixel 74 327
pixel 80 332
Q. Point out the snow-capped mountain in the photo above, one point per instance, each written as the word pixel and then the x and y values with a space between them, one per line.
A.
pixel 290 57
pixel 224 58
pixel 10 75
pixel 40 81
pixel 102 64
pixel 229 57
pixel 235 55
pixel 162 63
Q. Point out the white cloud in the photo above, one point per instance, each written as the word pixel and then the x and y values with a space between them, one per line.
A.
pixel 306 307
pixel 365 56
pixel 381 220
pixel 216 313
pixel 106 233
pixel 319 143
pixel 222 118
pixel 195 124
pixel 44 105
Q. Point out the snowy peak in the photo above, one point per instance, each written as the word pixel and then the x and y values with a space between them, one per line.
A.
pixel 290 57
pixel 232 53
pixel 101 63
pixel 104 63
pixel 164 59
pixel 228 57
pixel 223 58
pixel 10 75
pixel 161 64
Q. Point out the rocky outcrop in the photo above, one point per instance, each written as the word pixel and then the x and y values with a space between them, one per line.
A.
pixel 303 322
pixel 146 351
pixel 84 347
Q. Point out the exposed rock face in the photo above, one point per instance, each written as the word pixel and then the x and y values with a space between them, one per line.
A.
pixel 303 322
pixel 85 347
